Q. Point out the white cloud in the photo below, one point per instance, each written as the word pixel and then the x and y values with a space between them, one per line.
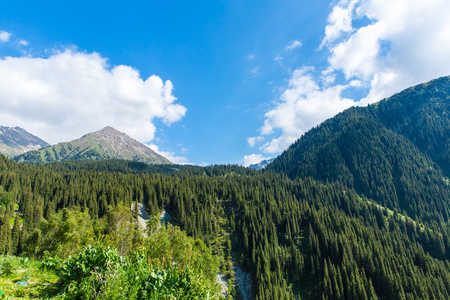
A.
pixel 406 43
pixel 253 159
pixel 401 43
pixel 4 36
pixel 293 45
pixel 303 105
pixel 339 21
pixel 250 56
pixel 23 42
pixel 180 160
pixel 253 140
pixel 70 93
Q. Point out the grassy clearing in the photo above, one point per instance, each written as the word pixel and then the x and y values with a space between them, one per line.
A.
pixel 22 278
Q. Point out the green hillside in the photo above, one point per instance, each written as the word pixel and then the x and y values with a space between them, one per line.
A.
pixel 394 152
pixel 296 238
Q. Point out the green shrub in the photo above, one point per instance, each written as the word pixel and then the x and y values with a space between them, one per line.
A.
pixel 8 265
pixel 99 273
pixel 91 259
pixel 51 263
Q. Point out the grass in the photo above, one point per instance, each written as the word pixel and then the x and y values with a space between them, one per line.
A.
pixel 11 221
pixel 40 283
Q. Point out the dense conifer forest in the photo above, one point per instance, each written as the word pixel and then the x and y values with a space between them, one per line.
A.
pixel 296 237
pixel 394 151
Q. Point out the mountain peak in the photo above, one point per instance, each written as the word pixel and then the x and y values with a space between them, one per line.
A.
pixel 106 143
pixel 109 129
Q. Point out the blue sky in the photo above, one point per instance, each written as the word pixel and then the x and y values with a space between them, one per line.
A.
pixel 210 82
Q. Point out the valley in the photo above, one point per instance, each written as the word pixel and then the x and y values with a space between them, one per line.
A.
pixel 356 208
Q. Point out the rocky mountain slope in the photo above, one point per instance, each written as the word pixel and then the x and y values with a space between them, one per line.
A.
pixel 15 141
pixel 107 143
pixel 261 165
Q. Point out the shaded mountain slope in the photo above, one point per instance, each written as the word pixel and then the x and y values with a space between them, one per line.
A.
pixel 393 151
pixel 421 114
pixel 15 141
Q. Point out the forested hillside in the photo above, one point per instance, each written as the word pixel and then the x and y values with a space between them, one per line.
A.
pixel 296 237
pixel 394 152
pixel 421 114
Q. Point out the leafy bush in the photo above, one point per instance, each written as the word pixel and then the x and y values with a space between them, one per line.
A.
pixel 174 283
pixel 91 259
pixel 100 273
pixel 8 265
pixel 51 263
pixel 63 234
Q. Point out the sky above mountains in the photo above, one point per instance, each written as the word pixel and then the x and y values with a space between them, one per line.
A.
pixel 210 82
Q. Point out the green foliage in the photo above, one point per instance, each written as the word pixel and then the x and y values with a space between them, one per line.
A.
pixel 76 271
pixel 121 228
pixel 394 152
pixel 39 282
pixel 100 273
pixel 168 245
pixel 8 265
pixel 5 197
pixel 64 234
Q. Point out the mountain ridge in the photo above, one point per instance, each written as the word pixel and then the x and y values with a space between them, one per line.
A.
pixel 106 143
pixel 16 140
pixel 394 151
pixel 261 165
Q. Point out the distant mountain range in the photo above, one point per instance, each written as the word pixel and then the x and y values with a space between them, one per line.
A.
pixel 15 141
pixel 261 165
pixel 107 143
pixel 396 151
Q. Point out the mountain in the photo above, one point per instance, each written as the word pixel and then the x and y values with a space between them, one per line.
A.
pixel 107 143
pixel 396 151
pixel 261 165
pixel 15 141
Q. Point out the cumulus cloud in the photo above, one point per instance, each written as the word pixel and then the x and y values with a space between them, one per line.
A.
pixel 180 160
pixel 4 36
pixel 400 43
pixel 253 159
pixel 339 21
pixel 70 93
pixel 304 104
pixel 293 45
pixel 405 43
